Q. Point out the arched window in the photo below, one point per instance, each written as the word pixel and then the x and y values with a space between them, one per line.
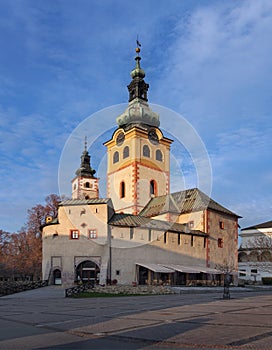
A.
pixel 159 155
pixel 87 184
pixel 122 190
pixel 116 157
pixel 254 256
pixel 242 257
pixel 265 256
pixel 126 152
pixel 146 151
pixel 153 187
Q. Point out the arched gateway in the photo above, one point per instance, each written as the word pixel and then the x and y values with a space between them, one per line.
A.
pixel 88 272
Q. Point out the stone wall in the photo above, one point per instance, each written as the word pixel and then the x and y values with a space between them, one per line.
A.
pixel 127 289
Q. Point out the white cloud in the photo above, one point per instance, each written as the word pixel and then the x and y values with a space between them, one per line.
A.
pixel 63 61
pixel 220 62
pixel 218 74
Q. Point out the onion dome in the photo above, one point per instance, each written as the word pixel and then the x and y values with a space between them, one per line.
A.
pixel 138 112
pixel 85 166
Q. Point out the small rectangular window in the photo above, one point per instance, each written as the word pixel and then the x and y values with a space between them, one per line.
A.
pixel 220 243
pixel 192 241
pixel 179 241
pixel 131 232
pixel 149 235
pixel 221 225
pixel 92 233
pixel 117 272
pixel 74 234
pixel 204 243
pixel 242 273
pixel 190 224
pixel 165 237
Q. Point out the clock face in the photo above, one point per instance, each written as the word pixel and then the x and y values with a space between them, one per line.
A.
pixel 153 137
pixel 120 139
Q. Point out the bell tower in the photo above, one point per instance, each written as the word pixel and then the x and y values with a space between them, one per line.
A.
pixel 138 153
pixel 85 184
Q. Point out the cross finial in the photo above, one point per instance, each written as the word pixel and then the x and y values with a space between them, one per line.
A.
pixel 85 143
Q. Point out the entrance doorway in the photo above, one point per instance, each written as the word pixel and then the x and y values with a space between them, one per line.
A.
pixel 88 272
pixel 57 277
pixel 143 275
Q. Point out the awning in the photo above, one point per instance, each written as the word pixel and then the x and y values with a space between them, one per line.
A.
pixel 171 268
pixel 186 269
pixel 157 268
pixel 193 269
pixel 213 271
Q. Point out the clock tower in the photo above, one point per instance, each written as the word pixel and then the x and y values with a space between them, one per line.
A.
pixel 138 153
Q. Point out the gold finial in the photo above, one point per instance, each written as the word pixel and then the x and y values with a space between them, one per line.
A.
pixel 138 50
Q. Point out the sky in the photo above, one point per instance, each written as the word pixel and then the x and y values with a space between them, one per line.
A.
pixel 62 62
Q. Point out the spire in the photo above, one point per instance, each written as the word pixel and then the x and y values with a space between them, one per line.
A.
pixel 138 87
pixel 138 111
pixel 85 166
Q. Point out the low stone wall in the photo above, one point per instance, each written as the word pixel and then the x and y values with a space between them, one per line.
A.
pixel 11 287
pixel 126 289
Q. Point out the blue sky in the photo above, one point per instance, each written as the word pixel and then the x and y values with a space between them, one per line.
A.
pixel 62 61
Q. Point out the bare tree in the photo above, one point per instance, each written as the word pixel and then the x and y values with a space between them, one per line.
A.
pixel 21 253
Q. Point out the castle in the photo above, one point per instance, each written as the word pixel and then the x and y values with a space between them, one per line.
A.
pixel 141 233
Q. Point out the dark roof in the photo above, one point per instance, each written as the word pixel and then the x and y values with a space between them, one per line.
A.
pixel 267 224
pixel 85 201
pixel 54 221
pixel 183 202
pixel 130 220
